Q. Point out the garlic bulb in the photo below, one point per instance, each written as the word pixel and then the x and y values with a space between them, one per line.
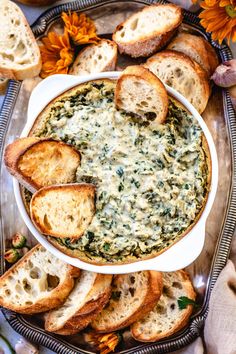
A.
pixel 225 74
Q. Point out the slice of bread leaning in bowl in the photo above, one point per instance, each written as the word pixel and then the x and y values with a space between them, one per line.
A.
pixel 63 210
pixel 38 282
pixel 152 179
pixel 141 93
pixel 88 297
pixel 37 163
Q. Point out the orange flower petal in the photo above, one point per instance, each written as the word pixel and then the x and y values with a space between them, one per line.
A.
pixel 57 54
pixel 215 19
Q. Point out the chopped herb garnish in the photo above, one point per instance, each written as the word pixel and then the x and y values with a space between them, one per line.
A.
pixel 120 171
pixel 106 246
pixel 184 301
pixel 121 187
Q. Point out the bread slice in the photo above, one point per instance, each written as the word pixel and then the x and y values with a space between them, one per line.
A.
pixel 41 162
pixel 64 210
pixel 133 295
pixel 38 282
pixel 198 49
pixel 141 93
pixel 19 53
pixel 148 30
pixel 183 74
pixel 3 85
pixel 95 58
pixel 166 318
pixel 90 294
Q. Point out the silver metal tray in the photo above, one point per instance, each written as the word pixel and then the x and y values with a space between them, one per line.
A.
pixel 220 118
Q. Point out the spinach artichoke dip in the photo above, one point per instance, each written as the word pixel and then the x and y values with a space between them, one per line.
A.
pixel 152 181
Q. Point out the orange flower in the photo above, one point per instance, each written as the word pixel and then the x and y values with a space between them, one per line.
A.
pixel 219 17
pixel 80 28
pixel 56 53
pixel 105 343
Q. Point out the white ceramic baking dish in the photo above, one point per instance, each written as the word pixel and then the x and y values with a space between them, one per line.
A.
pixel 181 254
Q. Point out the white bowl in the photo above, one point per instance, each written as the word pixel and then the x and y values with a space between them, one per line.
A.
pixel 176 257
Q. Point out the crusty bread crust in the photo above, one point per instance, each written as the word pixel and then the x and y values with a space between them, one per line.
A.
pixel 15 151
pixel 182 321
pixel 22 74
pixel 153 293
pixel 85 190
pixel 81 319
pixel 110 66
pixel 56 296
pixel 31 70
pixel 198 49
pixel 3 85
pixel 37 2
pixel 165 54
pixel 149 44
pixel 139 73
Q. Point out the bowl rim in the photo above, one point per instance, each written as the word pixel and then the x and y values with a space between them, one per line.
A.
pixel 173 258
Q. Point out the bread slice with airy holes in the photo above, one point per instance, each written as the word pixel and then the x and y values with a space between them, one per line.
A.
pixel 133 295
pixel 148 30
pixel 183 74
pixel 198 49
pixel 41 162
pixel 3 85
pixel 38 282
pixel 19 53
pixel 63 210
pixel 88 297
pixel 95 58
pixel 139 92
pixel 166 318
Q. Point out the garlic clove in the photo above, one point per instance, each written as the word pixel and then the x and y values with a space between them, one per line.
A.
pixel 225 74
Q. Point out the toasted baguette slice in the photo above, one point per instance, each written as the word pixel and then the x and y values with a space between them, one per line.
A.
pixel 95 58
pixel 133 295
pixel 3 85
pixel 37 163
pixel 198 49
pixel 90 294
pixel 38 282
pixel 19 53
pixel 141 93
pixel 148 30
pixel 166 318
pixel 63 210
pixel 183 74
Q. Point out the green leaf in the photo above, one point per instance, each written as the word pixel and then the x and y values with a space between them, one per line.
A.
pixel 106 246
pixel 184 301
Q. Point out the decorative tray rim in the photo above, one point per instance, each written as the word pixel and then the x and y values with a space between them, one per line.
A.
pixel 222 249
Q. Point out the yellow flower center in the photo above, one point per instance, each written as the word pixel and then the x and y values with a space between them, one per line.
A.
pixel 230 10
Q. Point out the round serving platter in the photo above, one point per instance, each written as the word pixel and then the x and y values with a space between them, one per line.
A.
pixel 220 119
